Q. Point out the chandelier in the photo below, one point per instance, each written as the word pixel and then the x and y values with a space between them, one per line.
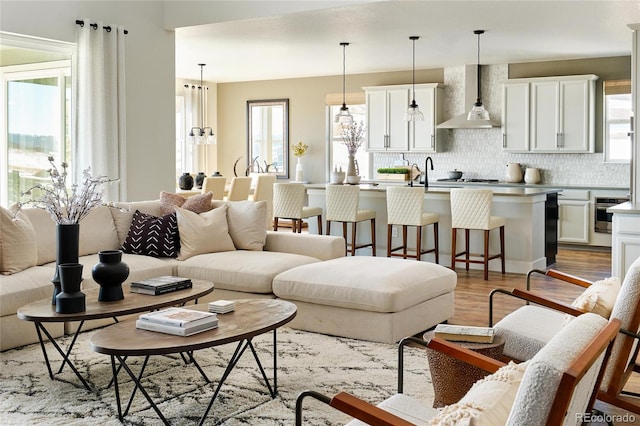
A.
pixel 201 135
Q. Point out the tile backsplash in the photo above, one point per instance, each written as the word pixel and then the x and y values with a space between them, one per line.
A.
pixel 478 152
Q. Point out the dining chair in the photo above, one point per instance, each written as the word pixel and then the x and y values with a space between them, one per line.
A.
pixel 288 203
pixel 471 210
pixel 214 184
pixel 239 189
pixel 263 191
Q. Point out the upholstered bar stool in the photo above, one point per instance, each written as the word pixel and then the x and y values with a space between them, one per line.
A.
pixel 342 206
pixel 263 191
pixel 404 207
pixel 288 203
pixel 471 209
pixel 215 185
pixel 239 189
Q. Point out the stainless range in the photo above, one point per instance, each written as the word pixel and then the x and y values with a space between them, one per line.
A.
pixel 602 219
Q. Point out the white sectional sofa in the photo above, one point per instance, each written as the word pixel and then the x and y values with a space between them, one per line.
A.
pixel 238 273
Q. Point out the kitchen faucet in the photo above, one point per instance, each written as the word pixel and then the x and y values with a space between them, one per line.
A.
pixel 426 171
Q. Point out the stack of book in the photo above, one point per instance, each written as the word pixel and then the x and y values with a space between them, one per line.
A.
pixel 222 306
pixel 160 285
pixel 464 333
pixel 178 321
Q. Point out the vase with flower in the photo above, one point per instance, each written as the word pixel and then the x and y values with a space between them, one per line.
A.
pixel 299 150
pixel 67 205
pixel 352 138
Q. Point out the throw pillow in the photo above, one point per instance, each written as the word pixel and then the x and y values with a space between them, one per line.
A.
pixel 197 204
pixel 247 221
pixel 152 236
pixel 18 250
pixel 599 297
pixel 488 402
pixel 203 233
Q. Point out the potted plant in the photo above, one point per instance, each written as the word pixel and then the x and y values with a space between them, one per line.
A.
pixel 393 173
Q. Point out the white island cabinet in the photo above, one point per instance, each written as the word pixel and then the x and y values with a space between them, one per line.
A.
pixel 625 244
pixel 526 227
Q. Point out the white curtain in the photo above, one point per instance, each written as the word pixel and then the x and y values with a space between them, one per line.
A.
pixel 194 118
pixel 99 120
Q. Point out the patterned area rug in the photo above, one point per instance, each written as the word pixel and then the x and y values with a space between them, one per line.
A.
pixel 305 361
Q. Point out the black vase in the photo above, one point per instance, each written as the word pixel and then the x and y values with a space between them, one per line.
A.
pixel 70 300
pixel 200 179
pixel 186 181
pixel 110 273
pixel 67 247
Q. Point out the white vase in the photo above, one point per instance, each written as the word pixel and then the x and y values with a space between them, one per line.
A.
pixel 299 171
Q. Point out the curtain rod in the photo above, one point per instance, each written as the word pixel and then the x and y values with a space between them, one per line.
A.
pixel 95 26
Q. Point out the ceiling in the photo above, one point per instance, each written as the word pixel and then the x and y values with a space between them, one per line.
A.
pixel 307 44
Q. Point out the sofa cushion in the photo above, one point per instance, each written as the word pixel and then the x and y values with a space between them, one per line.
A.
pixel 152 236
pixel 19 289
pixel 122 219
pixel 241 270
pixel 203 233
pixel 98 232
pixel 45 229
pixel 18 250
pixel 246 220
pixel 198 203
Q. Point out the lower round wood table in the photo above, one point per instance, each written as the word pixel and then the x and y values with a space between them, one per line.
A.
pixel 453 378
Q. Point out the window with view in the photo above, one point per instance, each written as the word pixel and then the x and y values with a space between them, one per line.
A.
pixel 338 155
pixel 617 121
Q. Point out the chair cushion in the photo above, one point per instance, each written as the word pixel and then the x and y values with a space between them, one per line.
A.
pixel 365 215
pixel 18 249
pixel 311 211
pixel 152 236
pixel 207 232
pixel 599 297
pixel 408 408
pixel 488 402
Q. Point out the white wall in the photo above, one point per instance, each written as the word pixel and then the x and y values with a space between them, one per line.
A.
pixel 150 76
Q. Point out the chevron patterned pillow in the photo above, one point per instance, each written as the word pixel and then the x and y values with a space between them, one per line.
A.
pixel 152 236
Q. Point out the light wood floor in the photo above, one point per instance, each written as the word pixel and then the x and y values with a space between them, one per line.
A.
pixel 472 295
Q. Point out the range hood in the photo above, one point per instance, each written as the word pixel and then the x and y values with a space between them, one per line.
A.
pixel 470 95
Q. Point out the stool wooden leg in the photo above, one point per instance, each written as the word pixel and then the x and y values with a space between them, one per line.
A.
pixel 486 254
pixel 353 237
pixel 502 248
pixel 418 242
pixel 404 241
pixel 299 229
pixel 454 231
pixel 389 232
pixel 275 223
pixel 373 237
pixel 328 227
pixel 466 247
pixel 319 224
pixel 435 239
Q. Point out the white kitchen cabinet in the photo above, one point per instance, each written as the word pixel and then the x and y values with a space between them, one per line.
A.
pixel 549 114
pixel 386 128
pixel 574 208
pixel 515 117
pixel 423 135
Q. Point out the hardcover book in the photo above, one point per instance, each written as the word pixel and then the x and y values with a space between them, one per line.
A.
pixel 177 331
pixel 160 289
pixel 464 333
pixel 163 281
pixel 179 317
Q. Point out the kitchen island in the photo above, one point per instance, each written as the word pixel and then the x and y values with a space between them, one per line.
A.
pixel 530 230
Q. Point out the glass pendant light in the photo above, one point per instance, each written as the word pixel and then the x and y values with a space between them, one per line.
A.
pixel 201 135
pixel 413 112
pixel 344 116
pixel 478 112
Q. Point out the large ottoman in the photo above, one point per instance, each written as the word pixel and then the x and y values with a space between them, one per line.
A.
pixel 369 298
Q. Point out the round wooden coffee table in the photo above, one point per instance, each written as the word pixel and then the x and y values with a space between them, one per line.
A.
pixel 251 317
pixel 453 378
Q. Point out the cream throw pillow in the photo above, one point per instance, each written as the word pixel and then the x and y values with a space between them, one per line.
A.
pixel 488 402
pixel 203 233
pixel 599 297
pixel 18 249
pixel 246 221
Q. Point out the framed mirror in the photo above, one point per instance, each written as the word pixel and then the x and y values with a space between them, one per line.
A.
pixel 268 137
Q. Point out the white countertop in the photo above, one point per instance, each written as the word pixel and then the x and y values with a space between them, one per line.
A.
pixel 625 208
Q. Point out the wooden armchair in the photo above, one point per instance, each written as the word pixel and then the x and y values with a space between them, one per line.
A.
pixel 558 383
pixel 531 327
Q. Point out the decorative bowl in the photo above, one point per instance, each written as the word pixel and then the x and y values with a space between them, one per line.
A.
pixel 354 180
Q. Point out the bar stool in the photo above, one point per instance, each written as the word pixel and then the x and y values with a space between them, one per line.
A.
pixel 288 203
pixel 471 209
pixel 214 184
pixel 263 191
pixel 404 207
pixel 342 206
pixel 239 189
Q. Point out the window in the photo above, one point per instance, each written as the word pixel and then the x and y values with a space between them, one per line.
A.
pixel 338 155
pixel 617 121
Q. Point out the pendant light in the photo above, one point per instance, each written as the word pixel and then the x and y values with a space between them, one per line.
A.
pixel 344 116
pixel 413 112
pixel 478 112
pixel 202 135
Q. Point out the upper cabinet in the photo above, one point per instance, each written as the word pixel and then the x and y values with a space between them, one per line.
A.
pixel 387 129
pixel 549 115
